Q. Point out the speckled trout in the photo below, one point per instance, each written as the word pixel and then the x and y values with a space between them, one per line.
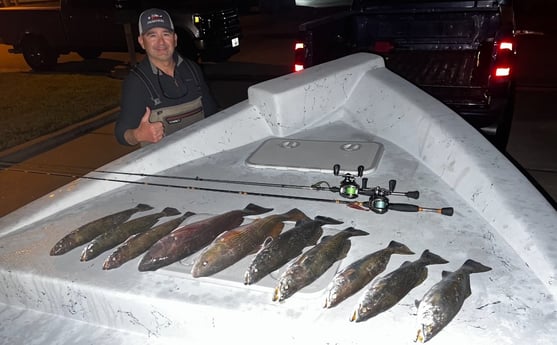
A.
pixel 139 243
pixel 288 245
pixel 119 234
pixel 313 263
pixel 443 300
pixel 387 291
pixel 233 245
pixel 359 273
pixel 89 231
pixel 190 238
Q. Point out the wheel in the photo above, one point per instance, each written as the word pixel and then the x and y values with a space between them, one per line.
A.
pixel 89 54
pixel 38 54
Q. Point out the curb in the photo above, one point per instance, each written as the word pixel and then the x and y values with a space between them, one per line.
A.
pixel 20 153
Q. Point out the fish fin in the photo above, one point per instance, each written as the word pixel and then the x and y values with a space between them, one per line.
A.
pixel 472 266
pixel 399 248
pixel 255 209
pixel 431 258
pixel 417 303
pixel 357 206
pixel 170 211
pixel 445 273
pixel 327 220
pixel 351 231
pixel 296 214
pixel 143 207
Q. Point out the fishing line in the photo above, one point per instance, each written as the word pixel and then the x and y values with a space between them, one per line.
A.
pixel 370 205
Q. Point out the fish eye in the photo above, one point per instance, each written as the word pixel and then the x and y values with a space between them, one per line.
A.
pixel 204 263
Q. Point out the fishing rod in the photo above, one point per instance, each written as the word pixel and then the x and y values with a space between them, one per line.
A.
pixel 369 205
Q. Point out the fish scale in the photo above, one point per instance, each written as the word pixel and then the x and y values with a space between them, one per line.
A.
pixel 359 273
pixel 235 244
pixel 112 238
pixel 287 246
pixel 89 231
pixel 313 263
pixel 190 238
pixel 386 291
pixel 137 244
pixel 444 300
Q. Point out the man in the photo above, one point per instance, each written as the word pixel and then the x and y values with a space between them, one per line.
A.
pixel 164 92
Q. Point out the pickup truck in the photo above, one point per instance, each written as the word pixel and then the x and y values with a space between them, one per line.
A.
pixel 206 29
pixel 459 51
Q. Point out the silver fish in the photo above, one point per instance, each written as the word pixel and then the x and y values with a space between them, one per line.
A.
pixel 287 246
pixel 443 300
pixel 114 237
pixel 89 231
pixel 387 291
pixel 359 273
pixel 313 263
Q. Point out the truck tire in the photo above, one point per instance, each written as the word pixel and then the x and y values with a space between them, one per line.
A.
pixel 38 54
pixel 89 54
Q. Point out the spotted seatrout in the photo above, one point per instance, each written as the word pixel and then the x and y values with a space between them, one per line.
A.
pixel 139 243
pixel 89 231
pixel 443 300
pixel 387 291
pixel 190 238
pixel 235 244
pixel 287 246
pixel 114 237
pixel 313 263
pixel 359 273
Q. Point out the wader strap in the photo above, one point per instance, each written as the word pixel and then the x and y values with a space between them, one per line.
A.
pixel 148 84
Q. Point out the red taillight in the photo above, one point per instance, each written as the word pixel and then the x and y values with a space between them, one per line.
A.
pixel 502 71
pixel 506 45
pixel 299 56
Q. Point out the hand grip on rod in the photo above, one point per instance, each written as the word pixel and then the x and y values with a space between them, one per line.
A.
pixel 446 211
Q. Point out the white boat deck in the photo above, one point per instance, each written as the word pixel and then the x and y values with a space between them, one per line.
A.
pixel 499 220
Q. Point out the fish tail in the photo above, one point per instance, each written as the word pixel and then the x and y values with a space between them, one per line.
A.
pixel 399 248
pixel 296 214
pixel 143 207
pixel 475 267
pixel 328 220
pixel 170 211
pixel 351 231
pixel 252 209
pixel 432 259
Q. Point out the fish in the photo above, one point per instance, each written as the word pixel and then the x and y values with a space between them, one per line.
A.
pixel 190 238
pixel 139 243
pixel 89 231
pixel 444 300
pixel 359 273
pixel 114 237
pixel 386 291
pixel 235 244
pixel 287 246
pixel 314 262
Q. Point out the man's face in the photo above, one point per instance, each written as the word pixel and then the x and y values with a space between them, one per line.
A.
pixel 159 43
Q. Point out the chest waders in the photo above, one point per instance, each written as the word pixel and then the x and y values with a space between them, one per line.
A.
pixel 173 117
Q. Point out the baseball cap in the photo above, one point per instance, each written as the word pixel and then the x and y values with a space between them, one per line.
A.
pixel 154 18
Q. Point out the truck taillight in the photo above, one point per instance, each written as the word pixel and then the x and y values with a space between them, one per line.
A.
pixel 504 59
pixel 299 56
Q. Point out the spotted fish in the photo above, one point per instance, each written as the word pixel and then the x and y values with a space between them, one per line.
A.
pixel 314 262
pixel 89 231
pixel 190 238
pixel 287 246
pixel 387 291
pixel 114 237
pixel 235 244
pixel 359 273
pixel 139 243
pixel 443 300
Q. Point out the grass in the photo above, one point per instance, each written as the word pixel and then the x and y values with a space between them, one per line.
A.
pixel 36 104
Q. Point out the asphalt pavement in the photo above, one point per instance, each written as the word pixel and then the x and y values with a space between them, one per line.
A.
pixel 54 161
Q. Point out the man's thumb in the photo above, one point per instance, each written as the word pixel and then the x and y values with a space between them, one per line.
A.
pixel 147 114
